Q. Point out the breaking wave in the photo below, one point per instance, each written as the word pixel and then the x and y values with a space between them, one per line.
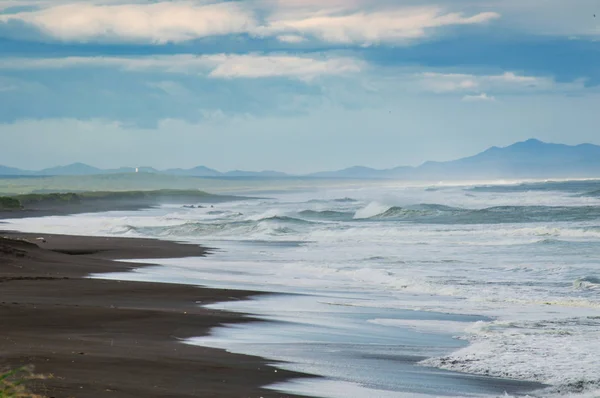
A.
pixel 587 283
pixel 268 226
pixel 520 350
pixel 327 215
pixel 434 213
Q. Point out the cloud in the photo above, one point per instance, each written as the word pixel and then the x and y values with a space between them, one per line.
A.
pixel 365 28
pixel 218 66
pixel 164 22
pixel 483 97
pixel 506 82
pixel 154 23
pixel 250 66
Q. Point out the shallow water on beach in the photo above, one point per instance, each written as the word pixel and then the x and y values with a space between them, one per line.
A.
pixel 394 289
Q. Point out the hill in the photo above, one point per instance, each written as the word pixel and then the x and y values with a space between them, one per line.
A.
pixel 526 159
pixel 75 169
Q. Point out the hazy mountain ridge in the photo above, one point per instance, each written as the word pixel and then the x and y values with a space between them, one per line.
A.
pixel 526 159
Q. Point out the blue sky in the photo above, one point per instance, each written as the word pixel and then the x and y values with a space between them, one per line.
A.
pixel 294 85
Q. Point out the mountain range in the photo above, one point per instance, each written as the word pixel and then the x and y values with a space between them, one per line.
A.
pixel 527 159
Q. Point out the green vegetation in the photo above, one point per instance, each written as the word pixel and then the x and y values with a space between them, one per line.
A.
pixel 49 198
pixel 139 198
pixel 13 383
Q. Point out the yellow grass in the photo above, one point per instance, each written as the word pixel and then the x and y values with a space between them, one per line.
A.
pixel 14 383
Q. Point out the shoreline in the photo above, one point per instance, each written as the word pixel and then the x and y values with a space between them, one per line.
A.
pixel 247 372
pixel 103 338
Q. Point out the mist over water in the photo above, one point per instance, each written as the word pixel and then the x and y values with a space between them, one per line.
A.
pixel 513 273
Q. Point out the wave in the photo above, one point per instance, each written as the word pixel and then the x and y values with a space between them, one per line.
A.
pixel 421 210
pixel 435 213
pixel 550 241
pixel 345 200
pixel 337 200
pixel 285 219
pixel 585 187
pixel 267 226
pixel 587 283
pixel 525 214
pixel 327 215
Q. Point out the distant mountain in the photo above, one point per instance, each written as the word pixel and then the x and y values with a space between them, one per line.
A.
pixel 134 170
pixel 199 171
pixel 11 171
pixel 360 172
pixel 75 169
pixel 266 173
pixel 350 172
pixel 527 159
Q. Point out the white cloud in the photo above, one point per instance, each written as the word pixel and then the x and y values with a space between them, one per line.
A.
pixel 505 82
pixel 251 66
pixel 223 66
pixel 337 22
pixel 359 27
pixel 442 83
pixel 155 22
pixel 483 97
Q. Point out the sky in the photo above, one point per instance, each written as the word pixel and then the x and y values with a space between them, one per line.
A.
pixel 292 85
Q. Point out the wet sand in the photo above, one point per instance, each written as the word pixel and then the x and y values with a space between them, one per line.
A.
pixel 101 338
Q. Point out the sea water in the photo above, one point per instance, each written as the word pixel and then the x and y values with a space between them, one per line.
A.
pixel 392 290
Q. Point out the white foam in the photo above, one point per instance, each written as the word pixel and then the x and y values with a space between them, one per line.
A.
pixel 560 353
pixel 371 210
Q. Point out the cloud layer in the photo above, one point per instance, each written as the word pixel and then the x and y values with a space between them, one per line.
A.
pixel 155 22
pixel 223 66
pixel 174 22
pixel 365 28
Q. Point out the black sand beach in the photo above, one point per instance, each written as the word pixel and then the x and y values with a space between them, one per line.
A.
pixel 103 338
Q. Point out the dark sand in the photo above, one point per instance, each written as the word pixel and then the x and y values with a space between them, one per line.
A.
pixel 103 338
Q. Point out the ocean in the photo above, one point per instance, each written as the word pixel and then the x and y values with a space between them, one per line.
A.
pixel 392 290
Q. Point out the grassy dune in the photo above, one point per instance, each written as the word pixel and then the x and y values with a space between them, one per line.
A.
pixel 103 198
pixel 14 383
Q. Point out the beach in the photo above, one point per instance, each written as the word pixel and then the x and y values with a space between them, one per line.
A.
pixel 372 292
pixel 103 338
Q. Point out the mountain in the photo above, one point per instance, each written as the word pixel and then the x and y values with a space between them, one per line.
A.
pixel 11 171
pixel 527 159
pixel 361 172
pixel 264 174
pixel 351 172
pixel 123 170
pixel 78 169
pixel 199 171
